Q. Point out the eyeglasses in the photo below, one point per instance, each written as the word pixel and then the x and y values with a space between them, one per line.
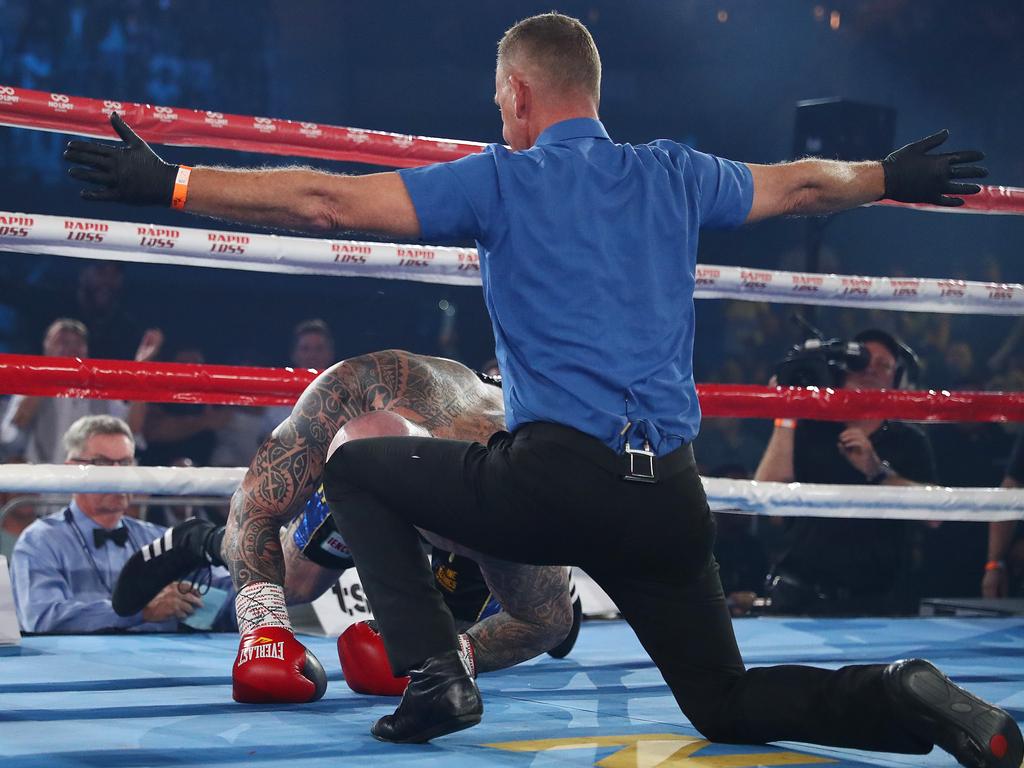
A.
pixel 103 461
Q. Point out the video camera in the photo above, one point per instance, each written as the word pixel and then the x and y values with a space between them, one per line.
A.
pixel 821 362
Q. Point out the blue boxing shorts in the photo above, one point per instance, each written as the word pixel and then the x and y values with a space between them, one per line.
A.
pixel 458 578
pixel 317 537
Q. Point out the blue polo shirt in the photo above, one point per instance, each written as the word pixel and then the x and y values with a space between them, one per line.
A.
pixel 587 255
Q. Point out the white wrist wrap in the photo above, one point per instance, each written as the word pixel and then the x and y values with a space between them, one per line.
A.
pixel 261 604
pixel 467 655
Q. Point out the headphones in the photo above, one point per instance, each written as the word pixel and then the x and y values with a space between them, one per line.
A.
pixel 908 366
pixel 69 518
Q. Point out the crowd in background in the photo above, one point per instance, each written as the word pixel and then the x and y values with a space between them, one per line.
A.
pixel 84 44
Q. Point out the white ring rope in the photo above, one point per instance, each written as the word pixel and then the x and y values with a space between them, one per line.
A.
pixel 84 478
pixel 724 495
pixel 887 502
pixel 145 243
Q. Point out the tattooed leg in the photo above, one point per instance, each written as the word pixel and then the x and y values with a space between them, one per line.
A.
pixel 536 613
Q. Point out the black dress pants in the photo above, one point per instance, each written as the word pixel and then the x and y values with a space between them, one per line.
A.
pixel 539 497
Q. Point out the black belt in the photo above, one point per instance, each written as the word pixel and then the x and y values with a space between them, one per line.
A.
pixel 629 466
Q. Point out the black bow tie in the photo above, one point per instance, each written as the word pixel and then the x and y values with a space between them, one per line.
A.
pixel 101 536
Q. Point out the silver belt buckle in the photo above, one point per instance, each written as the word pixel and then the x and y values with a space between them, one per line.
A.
pixel 641 465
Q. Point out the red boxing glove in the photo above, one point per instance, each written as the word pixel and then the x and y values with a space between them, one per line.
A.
pixel 364 663
pixel 273 667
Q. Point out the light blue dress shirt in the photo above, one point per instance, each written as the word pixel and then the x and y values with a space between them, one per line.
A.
pixel 588 251
pixel 63 583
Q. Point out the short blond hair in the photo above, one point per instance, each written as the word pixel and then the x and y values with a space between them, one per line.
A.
pixel 560 46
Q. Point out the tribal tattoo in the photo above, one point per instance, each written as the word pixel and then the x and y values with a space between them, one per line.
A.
pixel 536 613
pixel 443 396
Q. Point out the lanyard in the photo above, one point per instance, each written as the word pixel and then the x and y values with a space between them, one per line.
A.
pixel 69 518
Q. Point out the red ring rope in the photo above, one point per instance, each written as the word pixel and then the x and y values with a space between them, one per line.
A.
pixel 236 385
pixel 197 128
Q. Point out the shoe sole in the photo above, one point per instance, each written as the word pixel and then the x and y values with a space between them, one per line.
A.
pixel 460 723
pixel 563 649
pixel 156 564
pixel 983 736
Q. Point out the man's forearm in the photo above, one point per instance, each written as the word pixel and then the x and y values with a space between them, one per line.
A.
pixel 304 580
pixel 76 616
pixel 252 545
pixel 776 464
pixel 1000 536
pixel 828 186
pixel 284 198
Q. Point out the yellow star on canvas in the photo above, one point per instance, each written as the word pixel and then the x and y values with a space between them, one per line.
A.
pixel 664 750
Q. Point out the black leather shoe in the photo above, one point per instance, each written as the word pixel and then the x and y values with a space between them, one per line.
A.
pixel 440 699
pixel 976 733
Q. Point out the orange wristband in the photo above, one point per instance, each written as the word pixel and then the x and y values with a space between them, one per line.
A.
pixel 995 565
pixel 180 194
pixel 785 423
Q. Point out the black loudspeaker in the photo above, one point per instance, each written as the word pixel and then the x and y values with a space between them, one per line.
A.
pixel 838 129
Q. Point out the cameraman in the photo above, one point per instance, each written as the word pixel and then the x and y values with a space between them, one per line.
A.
pixel 837 565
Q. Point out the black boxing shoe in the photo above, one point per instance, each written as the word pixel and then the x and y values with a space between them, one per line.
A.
pixel 976 733
pixel 440 699
pixel 562 650
pixel 181 550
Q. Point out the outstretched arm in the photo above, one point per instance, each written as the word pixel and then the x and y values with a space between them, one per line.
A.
pixel 809 187
pixel 909 175
pixel 305 200
pixel 286 198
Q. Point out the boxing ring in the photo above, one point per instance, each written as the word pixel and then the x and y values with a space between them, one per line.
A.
pixel 111 700
pixel 166 700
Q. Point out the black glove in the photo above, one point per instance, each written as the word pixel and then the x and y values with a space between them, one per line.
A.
pixel 912 176
pixel 130 172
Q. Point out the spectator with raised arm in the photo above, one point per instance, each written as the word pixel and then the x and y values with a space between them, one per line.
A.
pixel 32 427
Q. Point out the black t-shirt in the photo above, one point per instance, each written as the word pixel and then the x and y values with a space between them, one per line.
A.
pixel 970 454
pixel 861 556
pixel 816 456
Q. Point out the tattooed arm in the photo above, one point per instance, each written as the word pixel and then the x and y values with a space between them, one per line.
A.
pixel 287 469
pixel 536 613
pixel 442 396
